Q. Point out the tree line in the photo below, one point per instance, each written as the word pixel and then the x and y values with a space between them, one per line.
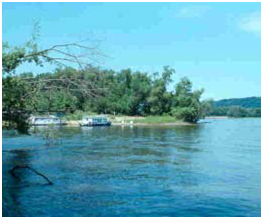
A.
pixel 246 102
pixel 224 107
pixel 235 111
pixel 114 92
pixel 91 89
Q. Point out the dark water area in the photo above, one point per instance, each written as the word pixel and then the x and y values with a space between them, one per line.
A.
pixel 213 169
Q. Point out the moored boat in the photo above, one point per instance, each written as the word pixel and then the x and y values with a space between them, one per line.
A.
pixel 45 120
pixel 95 121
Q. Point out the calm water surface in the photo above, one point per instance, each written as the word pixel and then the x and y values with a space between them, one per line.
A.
pixel 212 169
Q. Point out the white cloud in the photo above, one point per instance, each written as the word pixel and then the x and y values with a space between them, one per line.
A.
pixel 192 11
pixel 251 23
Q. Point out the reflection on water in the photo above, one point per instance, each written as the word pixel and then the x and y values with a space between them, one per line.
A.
pixel 137 171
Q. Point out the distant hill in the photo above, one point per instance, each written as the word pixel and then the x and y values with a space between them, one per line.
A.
pixel 247 102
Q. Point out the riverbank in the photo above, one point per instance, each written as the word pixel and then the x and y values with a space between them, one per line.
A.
pixel 156 124
pixel 216 117
pixel 77 123
pixel 140 121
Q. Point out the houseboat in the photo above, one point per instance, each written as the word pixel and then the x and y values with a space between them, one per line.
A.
pixel 45 120
pixel 95 121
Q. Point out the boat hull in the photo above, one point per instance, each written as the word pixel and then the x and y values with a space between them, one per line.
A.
pixel 55 124
pixel 106 124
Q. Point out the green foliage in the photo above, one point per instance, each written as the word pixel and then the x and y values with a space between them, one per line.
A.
pixel 80 92
pixel 246 107
pixel 187 104
pixel 54 100
pixel 77 115
pixel 247 102
pixel 12 57
pixel 207 107
pixel 159 100
pixel 116 93
pixel 14 103
pixel 157 119
pixel 127 93
pixel 15 92
pixel 236 111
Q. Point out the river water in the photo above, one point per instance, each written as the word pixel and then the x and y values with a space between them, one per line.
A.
pixel 213 169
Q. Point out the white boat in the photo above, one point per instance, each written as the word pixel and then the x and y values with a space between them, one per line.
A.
pixel 45 120
pixel 95 121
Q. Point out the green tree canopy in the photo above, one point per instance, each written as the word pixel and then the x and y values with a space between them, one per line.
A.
pixel 187 105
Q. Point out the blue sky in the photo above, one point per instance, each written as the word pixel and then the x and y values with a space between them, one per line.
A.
pixel 216 45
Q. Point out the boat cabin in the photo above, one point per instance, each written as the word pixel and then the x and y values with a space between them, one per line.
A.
pixel 95 121
pixel 45 120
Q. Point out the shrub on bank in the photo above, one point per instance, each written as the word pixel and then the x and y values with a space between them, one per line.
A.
pixel 77 115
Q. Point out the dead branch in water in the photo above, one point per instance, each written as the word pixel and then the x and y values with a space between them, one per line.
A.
pixel 12 171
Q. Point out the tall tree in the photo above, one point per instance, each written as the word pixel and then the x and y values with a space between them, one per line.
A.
pixel 187 104
pixel 160 99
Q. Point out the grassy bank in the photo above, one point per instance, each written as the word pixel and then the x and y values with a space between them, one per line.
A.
pixel 119 118
pixel 122 119
pixel 155 119
pixel 151 120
